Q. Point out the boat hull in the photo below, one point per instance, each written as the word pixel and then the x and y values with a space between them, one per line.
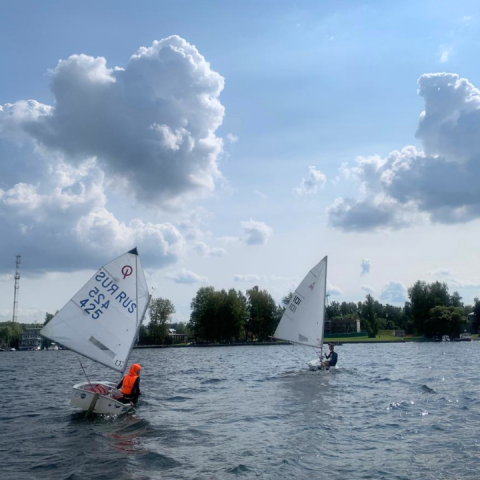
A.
pixel 316 364
pixel 83 394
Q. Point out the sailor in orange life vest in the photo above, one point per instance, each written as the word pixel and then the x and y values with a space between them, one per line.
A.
pixel 130 385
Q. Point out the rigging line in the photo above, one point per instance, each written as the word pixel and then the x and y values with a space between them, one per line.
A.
pixel 84 372
pixel 291 352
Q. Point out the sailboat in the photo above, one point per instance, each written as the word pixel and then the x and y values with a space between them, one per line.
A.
pixel 101 322
pixel 303 321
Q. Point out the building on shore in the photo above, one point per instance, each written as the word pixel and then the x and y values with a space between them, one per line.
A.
pixel 30 339
pixel 473 323
pixel 177 337
pixel 342 325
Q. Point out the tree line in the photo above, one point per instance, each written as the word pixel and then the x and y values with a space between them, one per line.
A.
pixel 232 316
pixel 430 310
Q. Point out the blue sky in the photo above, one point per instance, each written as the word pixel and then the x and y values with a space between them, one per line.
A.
pixel 297 85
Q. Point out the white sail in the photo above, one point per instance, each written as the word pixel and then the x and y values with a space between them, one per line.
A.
pixel 102 319
pixel 304 318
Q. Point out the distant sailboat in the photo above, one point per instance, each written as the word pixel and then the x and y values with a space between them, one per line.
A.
pixel 304 318
pixel 101 322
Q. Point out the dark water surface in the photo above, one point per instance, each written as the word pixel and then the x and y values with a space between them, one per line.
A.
pixel 396 411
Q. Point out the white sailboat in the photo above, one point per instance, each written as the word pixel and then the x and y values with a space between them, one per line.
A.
pixel 101 322
pixel 304 318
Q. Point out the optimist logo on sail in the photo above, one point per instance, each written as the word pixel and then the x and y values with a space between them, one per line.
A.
pixel 106 290
pixel 127 270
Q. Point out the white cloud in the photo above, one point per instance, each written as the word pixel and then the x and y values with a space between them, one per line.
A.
pixel 231 138
pixel 63 222
pixel 394 292
pixel 151 124
pixel 24 315
pixel 256 233
pixel 410 186
pixel 309 186
pixel 365 266
pixel 260 194
pixel 333 290
pixel 186 277
pixel 146 131
pixel 445 53
pixel 249 278
pixel 450 277
pixel 442 272
pixel 205 251
pixel 368 289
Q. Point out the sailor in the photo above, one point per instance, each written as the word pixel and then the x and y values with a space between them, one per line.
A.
pixel 130 385
pixel 331 358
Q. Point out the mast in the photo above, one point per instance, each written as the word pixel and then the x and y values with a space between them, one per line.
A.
pixel 16 288
pixel 143 313
pixel 324 308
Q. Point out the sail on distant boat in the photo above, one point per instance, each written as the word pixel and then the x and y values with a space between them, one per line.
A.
pixel 304 318
pixel 101 322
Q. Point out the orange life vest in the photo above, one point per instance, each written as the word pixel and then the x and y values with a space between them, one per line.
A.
pixel 129 380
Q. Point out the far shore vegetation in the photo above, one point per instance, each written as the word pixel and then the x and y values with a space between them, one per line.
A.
pixel 221 316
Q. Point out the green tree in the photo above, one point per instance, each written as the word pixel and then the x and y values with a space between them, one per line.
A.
pixel 161 309
pixel 48 317
pixel 476 307
pixel 445 321
pixel 10 334
pixel 456 300
pixel 334 310
pixel 203 313
pixel 263 313
pixel 424 297
pixel 369 316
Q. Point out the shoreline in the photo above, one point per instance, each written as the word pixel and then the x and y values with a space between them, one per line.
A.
pixel 270 344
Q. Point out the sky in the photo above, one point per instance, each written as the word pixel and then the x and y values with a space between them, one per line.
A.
pixel 238 143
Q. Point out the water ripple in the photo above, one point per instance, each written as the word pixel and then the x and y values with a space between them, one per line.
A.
pixel 250 412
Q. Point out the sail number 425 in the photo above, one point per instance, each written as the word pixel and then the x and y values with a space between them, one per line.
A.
pixel 93 305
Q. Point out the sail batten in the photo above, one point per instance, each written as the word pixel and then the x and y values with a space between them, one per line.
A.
pixel 304 317
pixel 101 320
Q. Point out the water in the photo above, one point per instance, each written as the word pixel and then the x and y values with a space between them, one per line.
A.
pixel 396 411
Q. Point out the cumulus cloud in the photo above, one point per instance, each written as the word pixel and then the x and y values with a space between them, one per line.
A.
pixel 186 277
pixel 310 185
pixel 365 266
pixel 333 290
pixel 256 233
pixel 151 124
pixel 409 186
pixel 368 289
pixel 145 132
pixel 63 223
pixel 394 292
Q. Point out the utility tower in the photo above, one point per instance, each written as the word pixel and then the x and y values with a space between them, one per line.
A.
pixel 17 287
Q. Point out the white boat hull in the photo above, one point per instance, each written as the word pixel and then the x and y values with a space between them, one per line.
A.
pixel 316 364
pixel 84 393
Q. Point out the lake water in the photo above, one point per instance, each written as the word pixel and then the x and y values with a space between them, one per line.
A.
pixel 390 411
